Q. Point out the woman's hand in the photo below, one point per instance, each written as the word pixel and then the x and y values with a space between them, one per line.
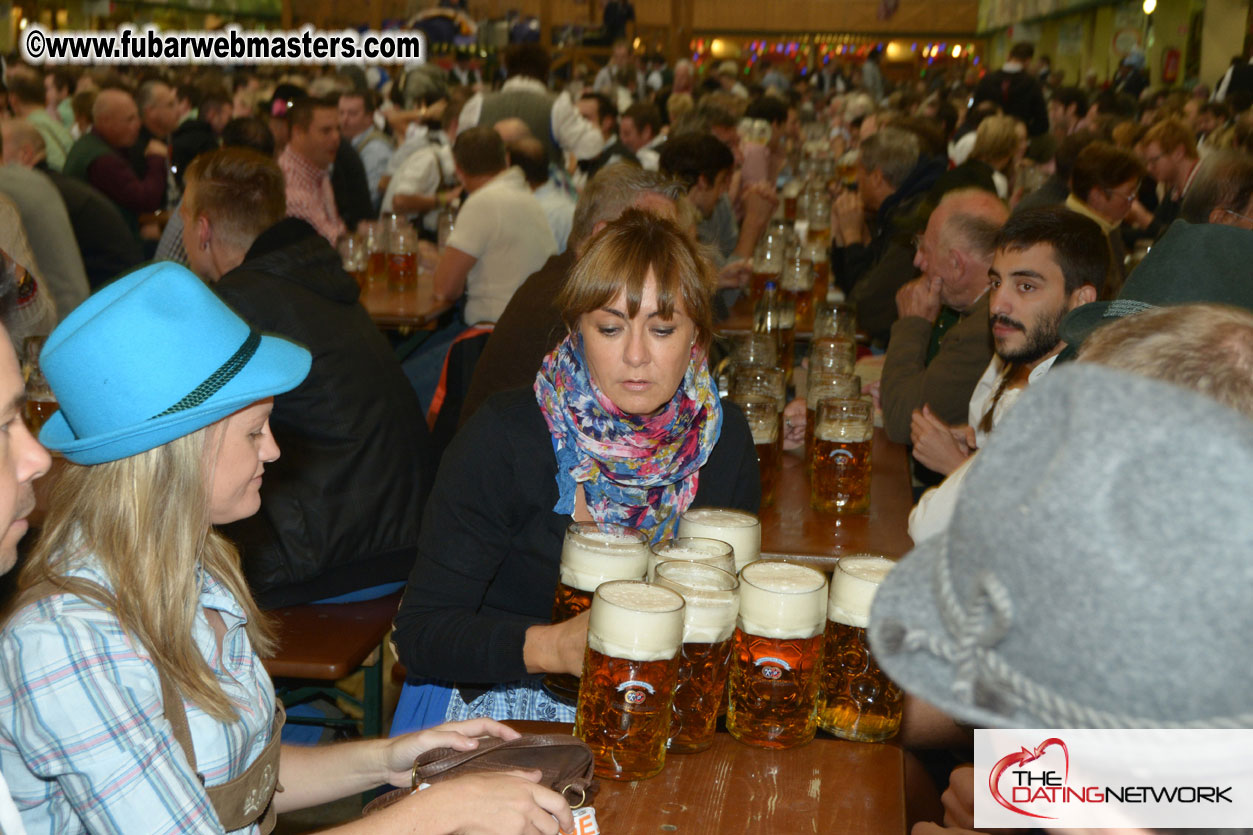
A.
pixel 399 753
pixel 509 803
pixel 558 647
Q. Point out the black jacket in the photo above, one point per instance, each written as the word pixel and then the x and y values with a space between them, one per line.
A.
pixel 340 508
pixel 104 238
pixel 1018 94
pixel 491 545
pixel 351 186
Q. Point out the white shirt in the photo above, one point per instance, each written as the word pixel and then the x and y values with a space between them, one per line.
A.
pixel 559 208
pixel 423 172
pixel 572 132
pixel 935 507
pixel 650 155
pixel 503 225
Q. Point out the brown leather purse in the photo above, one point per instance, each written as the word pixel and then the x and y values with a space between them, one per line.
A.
pixel 565 762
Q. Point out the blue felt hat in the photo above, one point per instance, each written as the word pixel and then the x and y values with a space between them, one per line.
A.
pixel 152 357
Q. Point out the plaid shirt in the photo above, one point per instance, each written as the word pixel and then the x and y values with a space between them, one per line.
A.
pixel 84 742
pixel 310 196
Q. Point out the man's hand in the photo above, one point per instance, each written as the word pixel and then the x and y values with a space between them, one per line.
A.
pixel 794 418
pixel 848 220
pixel 873 389
pixel 938 446
pixel 920 297
pixel 156 148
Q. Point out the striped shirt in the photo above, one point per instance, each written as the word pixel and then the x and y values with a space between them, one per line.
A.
pixel 84 742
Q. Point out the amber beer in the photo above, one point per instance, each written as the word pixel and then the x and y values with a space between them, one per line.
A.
pixel 630 670
pixel 821 386
pixel 692 549
pixel 738 528
pixel 776 655
pixel 760 278
pixel 712 603
pixel 858 701
pixel 843 436
pixel 592 554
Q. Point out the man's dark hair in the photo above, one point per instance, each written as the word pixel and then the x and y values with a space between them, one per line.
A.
pixel 644 115
pixel 63 79
pixel 479 151
pixel 1105 166
pixel 527 59
pixel 248 132
pixel 691 156
pixel 300 114
pixel 946 116
pixel 213 98
pixel 26 88
pixel 529 154
pixel 1066 96
pixel 1022 51
pixel 605 108
pixel 770 108
pixel 189 93
pixel 1068 150
pixel 1216 109
pixel 1079 246
pixel 369 98
pixel 1224 180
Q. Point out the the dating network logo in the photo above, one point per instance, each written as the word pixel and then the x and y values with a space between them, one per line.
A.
pixel 1026 785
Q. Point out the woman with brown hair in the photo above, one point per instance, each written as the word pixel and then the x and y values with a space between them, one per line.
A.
pixel 623 425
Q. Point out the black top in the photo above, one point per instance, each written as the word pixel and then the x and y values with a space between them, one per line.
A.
pixel 103 236
pixel 340 507
pixel 351 186
pixel 490 550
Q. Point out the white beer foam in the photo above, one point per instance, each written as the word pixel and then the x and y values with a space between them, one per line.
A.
pixel 782 600
pixel 589 559
pixel 712 606
pixel 853 588
pixel 741 530
pixel 636 621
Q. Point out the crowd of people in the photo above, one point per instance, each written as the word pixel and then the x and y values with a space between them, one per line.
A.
pixel 993 229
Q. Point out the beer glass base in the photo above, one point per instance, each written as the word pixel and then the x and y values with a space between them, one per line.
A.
pixel 673 747
pixel 775 743
pixel 859 735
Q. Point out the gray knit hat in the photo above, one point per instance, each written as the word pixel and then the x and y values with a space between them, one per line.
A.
pixel 1098 571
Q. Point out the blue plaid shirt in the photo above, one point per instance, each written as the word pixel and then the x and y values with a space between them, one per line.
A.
pixel 84 742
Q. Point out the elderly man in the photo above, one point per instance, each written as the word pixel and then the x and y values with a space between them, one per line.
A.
pixel 305 162
pixel 356 124
pixel 103 239
pixel 1222 191
pixel 99 157
pixel 340 509
pixel 942 339
pixel 158 117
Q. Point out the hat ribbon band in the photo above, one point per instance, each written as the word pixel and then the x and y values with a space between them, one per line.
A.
pixel 214 382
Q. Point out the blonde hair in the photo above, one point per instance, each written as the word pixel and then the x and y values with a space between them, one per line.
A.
pixel 996 139
pixel 618 259
pixel 145 519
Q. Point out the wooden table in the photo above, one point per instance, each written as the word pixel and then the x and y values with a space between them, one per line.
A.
pixel 404 310
pixel 792 527
pixel 828 785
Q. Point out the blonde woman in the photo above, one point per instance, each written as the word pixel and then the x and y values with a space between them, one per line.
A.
pixel 134 699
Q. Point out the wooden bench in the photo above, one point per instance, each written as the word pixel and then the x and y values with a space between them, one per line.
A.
pixel 319 644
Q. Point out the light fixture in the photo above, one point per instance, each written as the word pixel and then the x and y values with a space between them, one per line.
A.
pixel 1150 6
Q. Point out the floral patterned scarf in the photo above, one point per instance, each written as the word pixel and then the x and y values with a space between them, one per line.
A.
pixel 639 471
